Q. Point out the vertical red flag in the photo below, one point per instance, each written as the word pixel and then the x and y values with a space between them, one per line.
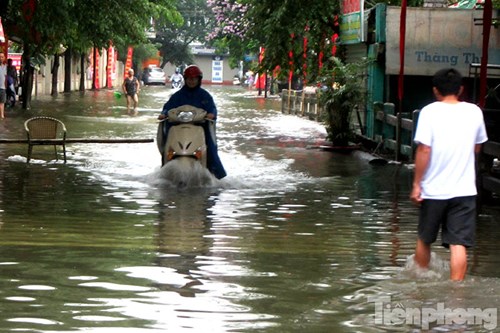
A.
pixel 304 56
pixel 321 53
pixel 487 20
pixel 402 40
pixel 290 60
pixel 260 82
pixel 335 36
pixel 28 8
pixel 96 73
pixel 3 41
pixel 128 62
pixel 334 43
pixel 2 35
pixel 109 68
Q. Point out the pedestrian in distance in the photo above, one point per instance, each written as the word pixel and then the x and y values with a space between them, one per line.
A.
pixel 3 84
pixel 12 83
pixel 449 136
pixel 131 88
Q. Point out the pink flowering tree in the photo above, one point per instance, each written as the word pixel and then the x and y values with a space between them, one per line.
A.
pixel 230 29
pixel 230 19
pixel 292 33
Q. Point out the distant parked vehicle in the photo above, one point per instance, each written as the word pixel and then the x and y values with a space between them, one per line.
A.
pixel 153 75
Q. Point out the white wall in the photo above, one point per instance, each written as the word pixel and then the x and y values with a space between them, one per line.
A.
pixel 42 81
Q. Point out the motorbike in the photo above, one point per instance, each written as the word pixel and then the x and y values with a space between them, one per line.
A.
pixel 11 97
pixel 176 83
pixel 184 150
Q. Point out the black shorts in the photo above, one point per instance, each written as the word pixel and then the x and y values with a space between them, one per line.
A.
pixel 456 217
pixel 3 96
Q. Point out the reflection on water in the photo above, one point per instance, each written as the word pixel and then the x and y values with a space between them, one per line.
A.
pixel 294 239
pixel 427 300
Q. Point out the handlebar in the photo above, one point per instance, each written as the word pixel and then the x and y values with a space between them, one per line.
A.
pixel 194 122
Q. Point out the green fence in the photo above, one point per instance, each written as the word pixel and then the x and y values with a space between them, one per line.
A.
pixel 300 103
pixel 394 131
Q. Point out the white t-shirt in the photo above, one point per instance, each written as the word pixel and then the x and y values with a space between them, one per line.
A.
pixel 3 75
pixel 452 131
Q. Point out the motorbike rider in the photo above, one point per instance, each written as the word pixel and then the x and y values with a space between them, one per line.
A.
pixel 177 78
pixel 193 94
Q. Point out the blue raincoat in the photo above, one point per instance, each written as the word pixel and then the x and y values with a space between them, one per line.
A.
pixel 199 98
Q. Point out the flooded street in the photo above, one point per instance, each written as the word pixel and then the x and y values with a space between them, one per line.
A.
pixel 294 239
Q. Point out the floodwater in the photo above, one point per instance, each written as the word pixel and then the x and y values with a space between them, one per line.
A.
pixel 294 239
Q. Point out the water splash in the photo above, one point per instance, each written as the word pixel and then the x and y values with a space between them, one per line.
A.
pixel 182 174
pixel 438 268
pixel 405 302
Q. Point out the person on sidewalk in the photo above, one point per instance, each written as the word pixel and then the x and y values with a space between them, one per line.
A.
pixel 131 88
pixel 449 135
pixel 193 94
pixel 12 83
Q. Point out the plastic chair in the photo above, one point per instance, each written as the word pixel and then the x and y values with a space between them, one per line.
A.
pixel 45 131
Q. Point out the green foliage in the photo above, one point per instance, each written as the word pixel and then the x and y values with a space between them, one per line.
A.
pixel 174 37
pixel 80 24
pixel 342 93
pixel 272 24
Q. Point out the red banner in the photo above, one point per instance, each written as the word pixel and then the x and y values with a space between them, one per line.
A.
pixel 260 83
pixel 304 56
pixel 4 43
pixel 28 8
pixel 290 60
pixel 334 41
pixel 2 35
pixel 94 67
pixel 128 63
pixel 110 66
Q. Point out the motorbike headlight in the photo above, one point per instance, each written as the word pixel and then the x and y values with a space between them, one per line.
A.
pixel 185 116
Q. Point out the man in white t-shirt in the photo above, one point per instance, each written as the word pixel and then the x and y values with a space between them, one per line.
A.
pixel 449 135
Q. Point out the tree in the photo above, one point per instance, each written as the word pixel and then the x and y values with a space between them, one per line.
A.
pixel 341 94
pixel 44 26
pixel 282 28
pixel 123 23
pixel 175 37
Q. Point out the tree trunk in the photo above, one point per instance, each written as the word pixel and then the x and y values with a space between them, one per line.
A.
pixel 83 72
pixel 67 70
pixel 55 72
pixel 27 79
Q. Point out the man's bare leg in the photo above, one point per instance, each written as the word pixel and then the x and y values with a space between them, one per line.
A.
pixel 422 254
pixel 458 262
